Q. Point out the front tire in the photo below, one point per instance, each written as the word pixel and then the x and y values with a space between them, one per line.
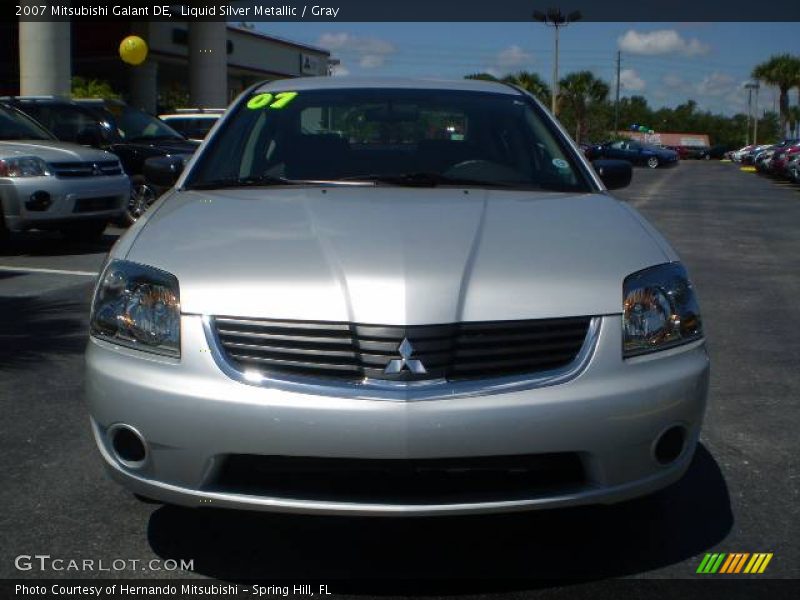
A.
pixel 652 162
pixel 143 195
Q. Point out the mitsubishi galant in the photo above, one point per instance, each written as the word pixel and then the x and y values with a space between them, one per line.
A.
pixel 388 297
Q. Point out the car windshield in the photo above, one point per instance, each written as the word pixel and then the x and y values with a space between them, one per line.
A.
pixel 16 126
pixel 136 125
pixel 389 137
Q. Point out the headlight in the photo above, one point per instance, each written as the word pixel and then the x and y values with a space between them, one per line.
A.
pixel 23 166
pixel 659 310
pixel 138 306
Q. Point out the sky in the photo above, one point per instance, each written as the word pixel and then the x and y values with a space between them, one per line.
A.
pixel 667 63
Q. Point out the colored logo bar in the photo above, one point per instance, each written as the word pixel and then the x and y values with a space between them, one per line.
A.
pixel 734 562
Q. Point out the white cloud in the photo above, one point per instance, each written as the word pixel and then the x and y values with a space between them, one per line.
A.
pixel 716 84
pixel 513 56
pixel 369 52
pixel 340 71
pixel 629 80
pixel 673 81
pixel 662 41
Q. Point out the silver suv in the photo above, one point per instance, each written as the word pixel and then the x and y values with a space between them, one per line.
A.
pixel 47 184
pixel 394 298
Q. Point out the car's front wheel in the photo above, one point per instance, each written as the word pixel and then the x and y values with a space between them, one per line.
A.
pixel 652 162
pixel 143 195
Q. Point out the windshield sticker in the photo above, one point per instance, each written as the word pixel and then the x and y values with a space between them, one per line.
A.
pixel 560 163
pixel 267 100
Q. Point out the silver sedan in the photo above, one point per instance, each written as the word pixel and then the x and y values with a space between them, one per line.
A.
pixel 394 298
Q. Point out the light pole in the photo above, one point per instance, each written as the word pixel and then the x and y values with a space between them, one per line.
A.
pixel 750 86
pixel 556 19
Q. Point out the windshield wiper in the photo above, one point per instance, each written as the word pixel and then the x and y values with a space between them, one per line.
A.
pixel 423 179
pixel 154 138
pixel 233 182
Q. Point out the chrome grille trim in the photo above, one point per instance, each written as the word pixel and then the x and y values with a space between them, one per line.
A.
pixel 402 391
pixel 86 168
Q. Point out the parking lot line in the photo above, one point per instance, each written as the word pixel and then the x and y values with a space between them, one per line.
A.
pixel 50 271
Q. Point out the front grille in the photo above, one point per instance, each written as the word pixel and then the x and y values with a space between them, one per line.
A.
pixel 86 169
pixel 83 205
pixel 401 481
pixel 354 352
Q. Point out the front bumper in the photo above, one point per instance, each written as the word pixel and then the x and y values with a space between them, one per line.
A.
pixel 109 193
pixel 191 416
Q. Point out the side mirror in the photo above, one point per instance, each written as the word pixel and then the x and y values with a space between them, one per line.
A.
pixel 615 174
pixel 91 135
pixel 164 170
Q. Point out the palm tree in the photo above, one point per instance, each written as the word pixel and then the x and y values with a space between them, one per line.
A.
pixel 530 82
pixel 580 91
pixel 782 71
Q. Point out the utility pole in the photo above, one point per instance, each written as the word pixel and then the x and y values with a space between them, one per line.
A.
pixel 755 124
pixel 556 19
pixel 616 102
pixel 749 114
pixel 750 86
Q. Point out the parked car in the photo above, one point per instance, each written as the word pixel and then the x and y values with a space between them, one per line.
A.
pixel 793 168
pixel 392 321
pixel 680 150
pixel 112 125
pixel 48 184
pixel 738 155
pixel 193 123
pixel 777 165
pixel 716 152
pixel 636 153
pixel 695 152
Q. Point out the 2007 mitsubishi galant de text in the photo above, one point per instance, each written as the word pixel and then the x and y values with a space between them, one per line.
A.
pixel 394 298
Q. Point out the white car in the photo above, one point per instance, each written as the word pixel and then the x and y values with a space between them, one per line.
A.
pixel 193 123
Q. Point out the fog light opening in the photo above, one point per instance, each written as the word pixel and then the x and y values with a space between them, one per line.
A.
pixel 669 446
pixel 128 445
pixel 38 201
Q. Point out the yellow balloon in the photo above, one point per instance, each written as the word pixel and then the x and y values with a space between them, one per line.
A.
pixel 133 50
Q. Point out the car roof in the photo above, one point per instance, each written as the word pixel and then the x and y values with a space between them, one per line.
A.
pixel 339 83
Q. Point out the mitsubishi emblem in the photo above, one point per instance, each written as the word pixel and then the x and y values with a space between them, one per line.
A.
pixel 397 365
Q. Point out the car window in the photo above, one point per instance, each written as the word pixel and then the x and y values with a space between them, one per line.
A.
pixel 191 127
pixel 333 135
pixel 134 125
pixel 64 121
pixel 16 126
pixel 618 145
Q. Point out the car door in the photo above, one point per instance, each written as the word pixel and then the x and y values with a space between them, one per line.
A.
pixel 616 150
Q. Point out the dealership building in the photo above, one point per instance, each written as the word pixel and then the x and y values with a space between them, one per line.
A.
pixel 208 63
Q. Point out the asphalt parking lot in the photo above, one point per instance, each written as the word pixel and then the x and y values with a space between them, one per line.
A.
pixel 739 235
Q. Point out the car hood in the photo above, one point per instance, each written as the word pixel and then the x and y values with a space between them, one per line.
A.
pixel 391 255
pixel 53 151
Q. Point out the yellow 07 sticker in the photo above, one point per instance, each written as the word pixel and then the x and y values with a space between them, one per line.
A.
pixel 272 101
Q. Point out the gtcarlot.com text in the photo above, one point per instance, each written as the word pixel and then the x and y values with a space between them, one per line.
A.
pixel 46 562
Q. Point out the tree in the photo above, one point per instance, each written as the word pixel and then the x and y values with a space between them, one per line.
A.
pixel 582 92
pixel 532 83
pixel 782 71
pixel 92 88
